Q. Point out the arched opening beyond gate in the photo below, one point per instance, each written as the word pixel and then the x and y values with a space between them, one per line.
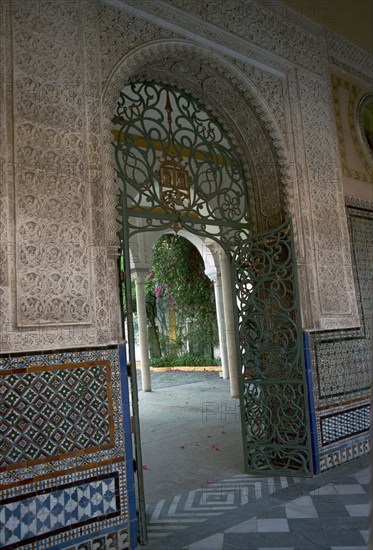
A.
pixel 178 169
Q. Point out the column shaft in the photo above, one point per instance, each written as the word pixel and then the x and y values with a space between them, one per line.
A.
pixel 221 325
pixel 229 323
pixel 143 332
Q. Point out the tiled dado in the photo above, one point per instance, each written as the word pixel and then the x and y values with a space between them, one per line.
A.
pixel 340 361
pixel 69 511
pixel 55 410
pixel 59 411
pixel 344 453
pixel 66 469
pixel 341 425
pixel 344 432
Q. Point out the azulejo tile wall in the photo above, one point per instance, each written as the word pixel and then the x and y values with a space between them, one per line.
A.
pixel 55 410
pixel 341 360
pixel 66 472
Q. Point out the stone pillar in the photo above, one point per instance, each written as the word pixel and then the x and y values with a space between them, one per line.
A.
pixel 229 323
pixel 143 331
pixel 221 323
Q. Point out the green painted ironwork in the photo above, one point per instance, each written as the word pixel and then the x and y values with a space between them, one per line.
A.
pixel 177 165
pixel 178 169
pixel 274 387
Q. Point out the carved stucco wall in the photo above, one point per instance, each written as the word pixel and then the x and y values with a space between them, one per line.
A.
pixel 291 101
pixel 356 157
pixel 57 162
pixel 58 266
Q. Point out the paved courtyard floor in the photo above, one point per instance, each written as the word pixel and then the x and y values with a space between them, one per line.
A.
pixel 198 497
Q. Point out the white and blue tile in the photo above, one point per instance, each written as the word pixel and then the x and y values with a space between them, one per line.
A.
pixel 38 514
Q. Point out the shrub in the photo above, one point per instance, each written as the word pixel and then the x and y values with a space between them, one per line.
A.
pixel 184 360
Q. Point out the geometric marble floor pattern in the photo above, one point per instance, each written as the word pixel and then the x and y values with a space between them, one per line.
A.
pixel 327 512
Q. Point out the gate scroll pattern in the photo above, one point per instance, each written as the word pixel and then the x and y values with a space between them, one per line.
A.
pixel 274 391
pixel 177 168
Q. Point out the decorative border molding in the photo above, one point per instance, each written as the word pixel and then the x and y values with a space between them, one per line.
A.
pixel 6 176
pixel 349 57
pixel 353 121
pixel 363 137
pixel 354 202
pixel 210 26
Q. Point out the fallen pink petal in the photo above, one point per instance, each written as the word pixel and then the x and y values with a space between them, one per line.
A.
pixel 145 467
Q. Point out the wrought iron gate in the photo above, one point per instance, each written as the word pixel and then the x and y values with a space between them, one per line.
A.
pixel 178 169
pixel 274 408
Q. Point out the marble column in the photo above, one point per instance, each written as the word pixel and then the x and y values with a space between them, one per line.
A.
pixel 143 331
pixel 226 281
pixel 221 323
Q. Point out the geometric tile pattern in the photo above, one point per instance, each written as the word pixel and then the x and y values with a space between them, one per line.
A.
pixel 32 517
pixel 336 361
pixel 324 513
pixel 65 499
pixel 213 500
pixel 338 353
pixel 335 427
pixel 348 450
pixel 341 359
pixel 118 540
pixel 54 410
pixel 77 460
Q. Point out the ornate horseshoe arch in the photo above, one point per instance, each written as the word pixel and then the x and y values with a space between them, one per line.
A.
pixel 229 95
pixel 269 336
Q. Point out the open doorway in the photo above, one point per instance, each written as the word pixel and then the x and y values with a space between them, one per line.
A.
pixel 179 171
pixel 190 426
pixel 180 305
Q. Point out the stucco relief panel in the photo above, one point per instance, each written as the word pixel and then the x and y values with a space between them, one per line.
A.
pixel 334 271
pixel 106 294
pixel 349 57
pixel 121 32
pixel 52 208
pixel 261 23
pixel 55 64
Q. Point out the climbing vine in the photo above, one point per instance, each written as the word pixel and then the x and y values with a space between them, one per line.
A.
pixel 178 285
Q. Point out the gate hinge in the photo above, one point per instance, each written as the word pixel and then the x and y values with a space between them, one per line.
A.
pixel 121 276
pixel 132 420
pixel 129 370
pixel 134 465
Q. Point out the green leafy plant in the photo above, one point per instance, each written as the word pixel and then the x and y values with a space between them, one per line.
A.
pixel 180 302
pixel 184 360
pixel 182 290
